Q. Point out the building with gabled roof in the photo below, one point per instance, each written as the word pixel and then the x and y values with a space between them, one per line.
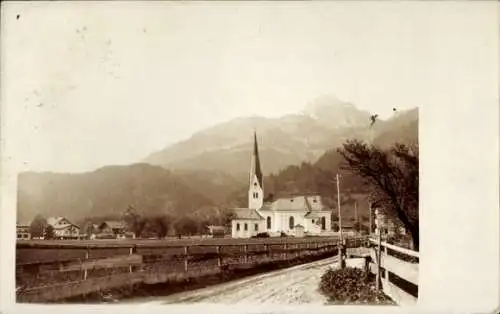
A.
pixel 63 228
pixel 281 214
pixel 111 227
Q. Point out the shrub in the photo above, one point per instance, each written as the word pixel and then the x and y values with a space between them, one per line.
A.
pixel 351 286
pixel 261 235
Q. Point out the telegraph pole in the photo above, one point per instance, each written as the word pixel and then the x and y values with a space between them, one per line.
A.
pixel 338 206
pixel 370 215
pixel 379 259
pixel 356 211
pixel 342 248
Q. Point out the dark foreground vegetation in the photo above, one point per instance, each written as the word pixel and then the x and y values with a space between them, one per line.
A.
pixel 351 286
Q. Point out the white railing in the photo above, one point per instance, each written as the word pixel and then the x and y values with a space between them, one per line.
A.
pixel 404 266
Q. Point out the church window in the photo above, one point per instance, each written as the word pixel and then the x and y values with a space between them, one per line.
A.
pixel 291 222
pixel 313 221
pixel 323 223
pixel 256 195
pixel 268 222
pixel 246 226
pixel 256 227
pixel 237 227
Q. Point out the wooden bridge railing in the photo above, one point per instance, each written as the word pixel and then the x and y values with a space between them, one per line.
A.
pixel 67 269
pixel 399 271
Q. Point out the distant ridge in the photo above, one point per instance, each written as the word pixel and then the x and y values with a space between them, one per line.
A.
pixel 210 170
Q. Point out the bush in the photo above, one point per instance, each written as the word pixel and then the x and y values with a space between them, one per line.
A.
pixel 351 286
pixel 261 235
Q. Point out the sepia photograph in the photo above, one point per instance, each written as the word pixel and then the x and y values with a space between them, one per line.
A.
pixel 218 152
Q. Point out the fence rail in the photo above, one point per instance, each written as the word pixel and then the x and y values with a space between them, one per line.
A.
pixel 399 276
pixel 95 266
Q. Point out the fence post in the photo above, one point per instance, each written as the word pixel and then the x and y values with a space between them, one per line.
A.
pixel 386 271
pixel 284 251
pixel 131 251
pixel 85 274
pixel 266 248
pixel 186 257
pixel 219 257
pixel 245 248
pixel 379 251
pixel 367 265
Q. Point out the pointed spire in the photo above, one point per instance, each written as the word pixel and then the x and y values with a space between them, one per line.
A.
pixel 256 161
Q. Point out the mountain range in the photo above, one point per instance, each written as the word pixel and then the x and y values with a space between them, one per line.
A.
pixel 210 169
pixel 324 124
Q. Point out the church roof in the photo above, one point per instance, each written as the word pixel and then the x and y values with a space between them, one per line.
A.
pixel 297 202
pixel 246 213
pixel 113 224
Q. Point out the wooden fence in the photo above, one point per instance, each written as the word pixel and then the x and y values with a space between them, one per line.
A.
pixel 55 271
pixel 399 271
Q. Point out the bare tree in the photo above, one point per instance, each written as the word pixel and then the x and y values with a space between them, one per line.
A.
pixel 393 176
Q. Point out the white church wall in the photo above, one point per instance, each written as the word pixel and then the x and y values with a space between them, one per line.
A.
pixel 272 215
pixel 283 220
pixel 328 221
pixel 247 232
pixel 312 227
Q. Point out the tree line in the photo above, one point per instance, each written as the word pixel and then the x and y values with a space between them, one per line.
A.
pixel 144 225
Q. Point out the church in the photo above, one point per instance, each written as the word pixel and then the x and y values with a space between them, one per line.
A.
pixel 295 215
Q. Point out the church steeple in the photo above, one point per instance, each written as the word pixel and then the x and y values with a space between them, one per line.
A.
pixel 255 168
pixel 256 188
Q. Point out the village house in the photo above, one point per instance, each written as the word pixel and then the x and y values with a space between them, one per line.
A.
pixel 387 226
pixel 23 231
pixel 216 231
pixel 63 228
pixel 111 229
pixel 295 215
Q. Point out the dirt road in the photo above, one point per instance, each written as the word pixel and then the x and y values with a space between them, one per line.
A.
pixel 295 285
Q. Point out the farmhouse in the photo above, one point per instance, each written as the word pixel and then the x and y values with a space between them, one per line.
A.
pixel 115 229
pixel 297 215
pixel 385 225
pixel 23 231
pixel 216 231
pixel 63 228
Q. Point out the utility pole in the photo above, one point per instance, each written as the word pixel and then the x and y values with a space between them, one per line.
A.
pixel 356 211
pixel 379 259
pixel 341 246
pixel 338 205
pixel 370 215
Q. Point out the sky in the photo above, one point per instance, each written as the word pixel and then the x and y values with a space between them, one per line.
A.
pixel 89 84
